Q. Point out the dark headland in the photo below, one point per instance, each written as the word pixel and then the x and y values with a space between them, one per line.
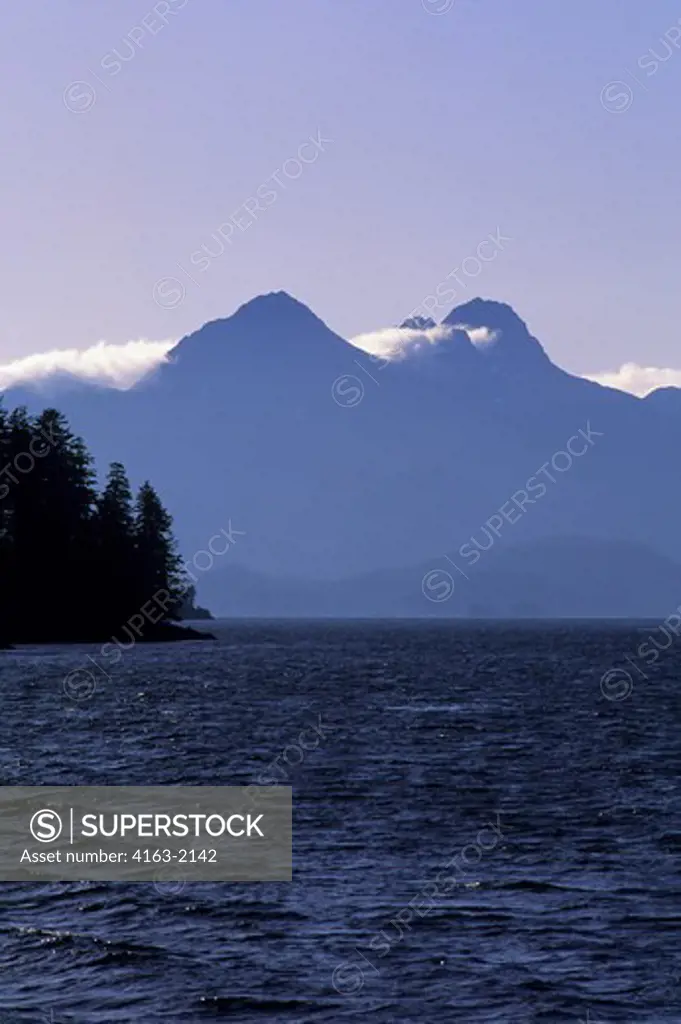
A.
pixel 80 564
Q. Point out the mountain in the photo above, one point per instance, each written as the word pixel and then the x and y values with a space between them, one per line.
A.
pixel 554 578
pixel 331 464
pixel 510 349
pixel 666 401
pixel 418 323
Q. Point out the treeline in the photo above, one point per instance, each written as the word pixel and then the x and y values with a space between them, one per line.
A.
pixel 76 562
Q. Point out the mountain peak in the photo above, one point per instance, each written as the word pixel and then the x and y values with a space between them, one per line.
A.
pixel 497 316
pixel 268 314
pixel 273 326
pixel 507 340
pixel 277 305
pixel 664 400
pixel 418 323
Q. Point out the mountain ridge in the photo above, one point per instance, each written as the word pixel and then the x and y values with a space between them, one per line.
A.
pixel 334 464
pixel 510 347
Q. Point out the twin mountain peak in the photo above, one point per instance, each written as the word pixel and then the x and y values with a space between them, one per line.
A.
pixel 481 334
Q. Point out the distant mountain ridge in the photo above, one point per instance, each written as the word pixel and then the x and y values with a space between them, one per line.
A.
pixel 336 466
pixel 555 578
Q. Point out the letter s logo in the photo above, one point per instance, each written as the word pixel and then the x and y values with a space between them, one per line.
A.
pixel 617 97
pixel 347 391
pixel 46 826
pixel 437 585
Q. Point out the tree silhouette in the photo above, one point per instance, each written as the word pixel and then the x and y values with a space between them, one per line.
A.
pixel 158 563
pixel 75 564
pixel 115 546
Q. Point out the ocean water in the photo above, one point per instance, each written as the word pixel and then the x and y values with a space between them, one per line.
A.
pixel 483 829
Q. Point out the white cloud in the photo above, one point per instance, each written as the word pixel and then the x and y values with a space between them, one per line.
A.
pixel 121 366
pixel 395 342
pixel 118 366
pixel 478 335
pixel 637 380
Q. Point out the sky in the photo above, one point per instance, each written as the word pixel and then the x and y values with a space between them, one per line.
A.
pixel 354 154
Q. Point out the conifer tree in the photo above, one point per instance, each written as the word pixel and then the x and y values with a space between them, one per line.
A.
pixel 5 535
pixel 74 565
pixel 158 562
pixel 61 485
pixel 25 519
pixel 115 545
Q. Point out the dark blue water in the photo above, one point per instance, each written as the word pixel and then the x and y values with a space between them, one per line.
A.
pixel 409 748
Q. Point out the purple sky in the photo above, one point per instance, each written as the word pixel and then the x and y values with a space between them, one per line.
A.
pixel 444 129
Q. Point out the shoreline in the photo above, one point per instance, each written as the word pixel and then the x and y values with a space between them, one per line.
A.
pixel 163 632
